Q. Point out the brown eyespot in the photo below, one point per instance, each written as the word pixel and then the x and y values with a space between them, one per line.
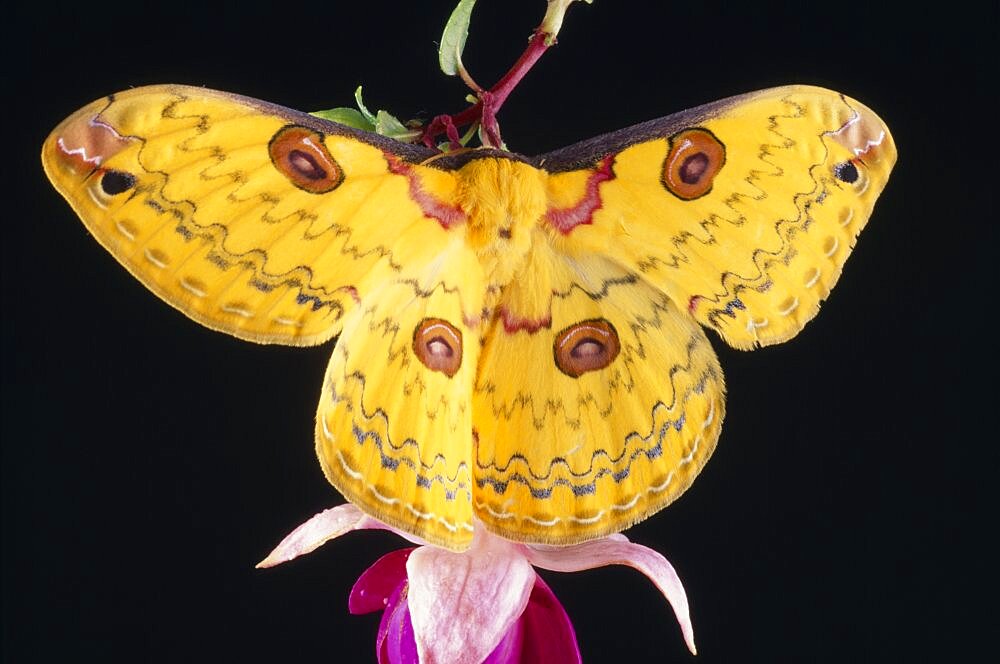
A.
pixel 438 345
pixel 586 346
pixel 696 156
pixel 301 156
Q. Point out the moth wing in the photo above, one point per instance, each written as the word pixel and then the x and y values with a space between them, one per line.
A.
pixel 594 415
pixel 743 211
pixel 394 425
pixel 252 219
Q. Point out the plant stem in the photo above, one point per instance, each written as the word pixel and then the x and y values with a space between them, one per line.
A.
pixel 490 101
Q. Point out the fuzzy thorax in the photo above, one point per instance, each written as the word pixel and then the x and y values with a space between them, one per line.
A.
pixel 504 200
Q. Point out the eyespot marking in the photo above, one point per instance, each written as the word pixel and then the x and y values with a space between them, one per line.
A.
pixel 586 346
pixel 438 345
pixel 846 171
pixel 693 168
pixel 116 182
pixel 695 157
pixel 301 156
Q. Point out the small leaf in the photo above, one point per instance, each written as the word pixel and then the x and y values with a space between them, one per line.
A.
pixel 346 116
pixel 453 38
pixel 387 124
pixel 361 105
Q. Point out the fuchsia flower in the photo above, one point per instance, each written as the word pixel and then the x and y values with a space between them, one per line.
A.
pixel 542 633
pixel 482 605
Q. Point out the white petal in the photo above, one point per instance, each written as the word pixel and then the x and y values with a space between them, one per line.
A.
pixel 617 550
pixel 462 604
pixel 322 528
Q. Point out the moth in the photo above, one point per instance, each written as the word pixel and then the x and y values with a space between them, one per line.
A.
pixel 519 339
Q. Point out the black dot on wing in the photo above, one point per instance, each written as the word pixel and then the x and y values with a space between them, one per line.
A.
pixel 117 182
pixel 846 172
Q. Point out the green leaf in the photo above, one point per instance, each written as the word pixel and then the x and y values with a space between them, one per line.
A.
pixel 361 105
pixel 387 124
pixel 346 116
pixel 383 122
pixel 453 38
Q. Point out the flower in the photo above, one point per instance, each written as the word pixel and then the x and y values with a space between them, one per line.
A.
pixel 484 604
pixel 543 630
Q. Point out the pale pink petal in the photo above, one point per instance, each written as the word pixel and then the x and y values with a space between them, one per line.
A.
pixel 462 604
pixel 617 550
pixel 322 528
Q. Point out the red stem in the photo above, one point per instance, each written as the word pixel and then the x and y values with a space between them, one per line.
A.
pixel 497 95
pixel 539 43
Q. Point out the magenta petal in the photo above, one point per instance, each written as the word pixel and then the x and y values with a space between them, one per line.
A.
pixel 549 637
pixel 543 634
pixel 376 584
pixel 383 626
pixel 397 641
pixel 510 648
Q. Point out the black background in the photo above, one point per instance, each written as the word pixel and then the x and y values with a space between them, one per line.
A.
pixel 149 463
